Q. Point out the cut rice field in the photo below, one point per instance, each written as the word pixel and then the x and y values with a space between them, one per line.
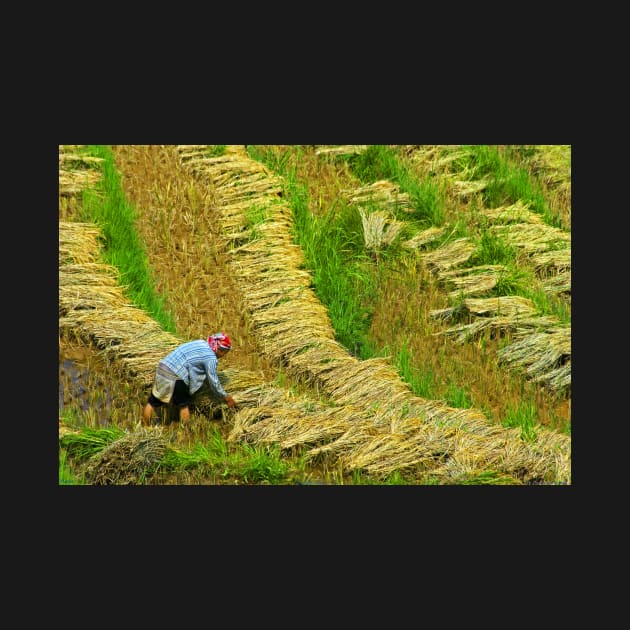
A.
pixel 219 231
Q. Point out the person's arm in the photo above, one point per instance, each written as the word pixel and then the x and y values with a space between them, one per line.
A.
pixel 215 384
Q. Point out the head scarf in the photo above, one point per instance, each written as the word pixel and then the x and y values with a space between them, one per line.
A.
pixel 219 341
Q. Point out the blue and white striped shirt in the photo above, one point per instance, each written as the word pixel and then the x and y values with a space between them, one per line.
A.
pixel 193 361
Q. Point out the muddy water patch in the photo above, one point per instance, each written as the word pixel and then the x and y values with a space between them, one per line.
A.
pixel 94 389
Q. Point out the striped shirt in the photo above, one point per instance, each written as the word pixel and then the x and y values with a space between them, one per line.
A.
pixel 193 361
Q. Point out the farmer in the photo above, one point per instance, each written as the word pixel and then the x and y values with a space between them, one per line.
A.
pixel 182 372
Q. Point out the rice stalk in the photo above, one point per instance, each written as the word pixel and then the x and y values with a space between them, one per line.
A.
pixel 450 255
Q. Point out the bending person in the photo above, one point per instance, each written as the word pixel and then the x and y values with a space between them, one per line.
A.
pixel 183 371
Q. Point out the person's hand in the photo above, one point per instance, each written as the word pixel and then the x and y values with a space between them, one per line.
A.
pixel 230 402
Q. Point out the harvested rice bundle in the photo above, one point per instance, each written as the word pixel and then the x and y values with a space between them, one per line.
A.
pixel 78 243
pixel 386 453
pixel 66 148
pixel 87 160
pixel 380 229
pixel 265 260
pixel 560 283
pixel 473 454
pixel 449 255
pixel 88 273
pixel 355 434
pixel 259 269
pixel 440 414
pixel 89 296
pixel 317 360
pixel 554 261
pixel 552 163
pixel 558 380
pixel 508 306
pixel 368 380
pixel 424 238
pixel 75 182
pixel 128 460
pixel 539 352
pixel 76 172
pixel 242 193
pixel 272 294
pixel 433 158
pixel 256 179
pixel 343 149
pixel 497 327
pixel 464 188
pixel 189 151
pixel 472 280
pixel 518 212
pixel 240 380
pixel 287 426
pixel 533 238
pixel 384 193
pixel 292 326
pixel 449 153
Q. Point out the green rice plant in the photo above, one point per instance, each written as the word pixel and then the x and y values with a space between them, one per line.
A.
pixel 236 462
pixel 429 480
pixel 377 162
pixel 422 383
pixel 263 464
pixel 514 281
pixel 198 456
pixel 523 416
pixel 481 161
pixel 396 479
pixel 427 199
pixel 458 397
pixel 281 379
pixel 519 152
pixel 71 415
pixel 82 445
pixel 216 150
pixel 265 153
pixel 217 447
pixel 299 462
pixel 564 426
pixel 492 250
pixel 66 475
pixel 546 304
pixel 489 477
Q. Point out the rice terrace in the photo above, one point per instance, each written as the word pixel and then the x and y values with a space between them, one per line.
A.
pixel 400 314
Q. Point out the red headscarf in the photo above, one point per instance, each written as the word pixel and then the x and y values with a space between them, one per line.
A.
pixel 219 341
